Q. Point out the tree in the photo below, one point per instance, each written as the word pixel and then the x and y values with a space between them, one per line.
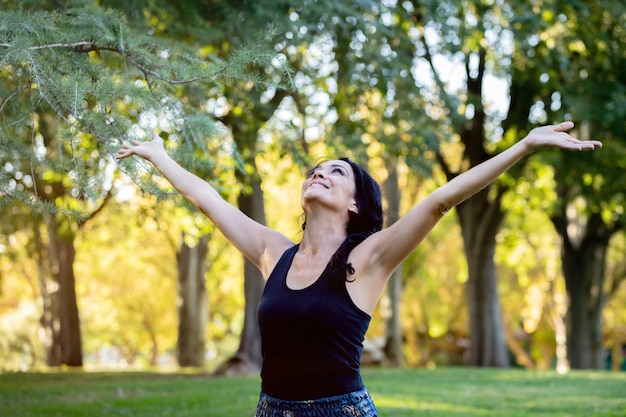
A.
pixel 114 83
pixel 53 244
pixel 483 42
pixel 470 35
pixel 590 210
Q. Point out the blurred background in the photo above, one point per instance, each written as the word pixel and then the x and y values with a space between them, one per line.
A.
pixel 102 266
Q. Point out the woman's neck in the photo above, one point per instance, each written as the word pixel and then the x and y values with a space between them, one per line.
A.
pixel 322 235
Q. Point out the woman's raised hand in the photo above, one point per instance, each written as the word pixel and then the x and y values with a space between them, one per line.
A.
pixel 145 149
pixel 556 135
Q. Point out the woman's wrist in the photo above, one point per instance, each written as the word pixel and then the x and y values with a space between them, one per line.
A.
pixel 158 158
pixel 529 145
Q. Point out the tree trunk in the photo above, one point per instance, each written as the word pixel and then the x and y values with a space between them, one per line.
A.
pixel 248 359
pixel 245 127
pixel 394 335
pixel 192 309
pixel 50 314
pixel 480 220
pixel 61 254
pixel 583 261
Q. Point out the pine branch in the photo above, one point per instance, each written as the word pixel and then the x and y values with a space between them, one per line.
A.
pixel 92 46
pixel 53 45
pixel 142 52
pixel 98 75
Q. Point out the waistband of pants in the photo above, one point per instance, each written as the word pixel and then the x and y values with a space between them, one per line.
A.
pixel 357 403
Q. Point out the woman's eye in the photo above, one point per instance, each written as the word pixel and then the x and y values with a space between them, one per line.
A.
pixel 338 170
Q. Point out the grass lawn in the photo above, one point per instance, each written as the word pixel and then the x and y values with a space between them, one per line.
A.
pixel 449 392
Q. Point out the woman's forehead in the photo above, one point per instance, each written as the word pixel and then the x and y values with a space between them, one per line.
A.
pixel 329 164
pixel 335 162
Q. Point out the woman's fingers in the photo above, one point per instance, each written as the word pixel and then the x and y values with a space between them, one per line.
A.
pixel 140 148
pixel 564 126
pixel 125 151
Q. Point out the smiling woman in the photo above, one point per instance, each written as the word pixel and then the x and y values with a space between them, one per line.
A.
pixel 335 176
pixel 320 293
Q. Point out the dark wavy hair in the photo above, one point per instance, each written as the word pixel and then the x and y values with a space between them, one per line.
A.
pixel 368 220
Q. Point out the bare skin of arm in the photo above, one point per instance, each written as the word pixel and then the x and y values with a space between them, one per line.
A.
pixel 381 253
pixel 260 244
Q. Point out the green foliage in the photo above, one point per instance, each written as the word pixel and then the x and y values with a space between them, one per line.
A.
pixel 593 52
pixel 103 76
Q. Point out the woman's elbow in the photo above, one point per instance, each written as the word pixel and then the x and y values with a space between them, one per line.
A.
pixel 444 209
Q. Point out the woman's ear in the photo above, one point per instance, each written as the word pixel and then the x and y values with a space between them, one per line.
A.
pixel 353 208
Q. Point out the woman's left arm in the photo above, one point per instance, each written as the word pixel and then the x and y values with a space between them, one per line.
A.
pixel 390 246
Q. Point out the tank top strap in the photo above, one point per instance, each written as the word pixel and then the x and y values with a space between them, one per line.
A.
pixel 281 268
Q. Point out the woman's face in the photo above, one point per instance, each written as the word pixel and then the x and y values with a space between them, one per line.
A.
pixel 332 184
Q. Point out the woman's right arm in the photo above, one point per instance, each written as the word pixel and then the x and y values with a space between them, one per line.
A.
pixel 258 243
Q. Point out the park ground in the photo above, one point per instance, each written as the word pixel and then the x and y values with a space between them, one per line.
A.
pixel 450 392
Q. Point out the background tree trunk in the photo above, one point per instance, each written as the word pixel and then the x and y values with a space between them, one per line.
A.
pixel 394 335
pixel 248 359
pixel 61 254
pixel 50 314
pixel 583 261
pixel 192 309
pixel 480 221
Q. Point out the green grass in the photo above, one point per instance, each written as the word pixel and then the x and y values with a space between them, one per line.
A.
pixel 450 392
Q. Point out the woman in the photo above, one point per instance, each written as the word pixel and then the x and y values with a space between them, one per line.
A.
pixel 320 293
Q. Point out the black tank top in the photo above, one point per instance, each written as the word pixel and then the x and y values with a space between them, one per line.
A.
pixel 312 339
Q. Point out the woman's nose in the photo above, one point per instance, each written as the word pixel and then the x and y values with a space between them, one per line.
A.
pixel 318 174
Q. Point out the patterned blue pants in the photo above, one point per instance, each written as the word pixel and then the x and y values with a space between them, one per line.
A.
pixel 354 404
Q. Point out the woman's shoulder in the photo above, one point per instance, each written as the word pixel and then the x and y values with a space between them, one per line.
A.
pixel 274 252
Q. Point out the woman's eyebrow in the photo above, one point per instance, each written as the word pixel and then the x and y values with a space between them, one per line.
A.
pixel 339 166
pixel 319 166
